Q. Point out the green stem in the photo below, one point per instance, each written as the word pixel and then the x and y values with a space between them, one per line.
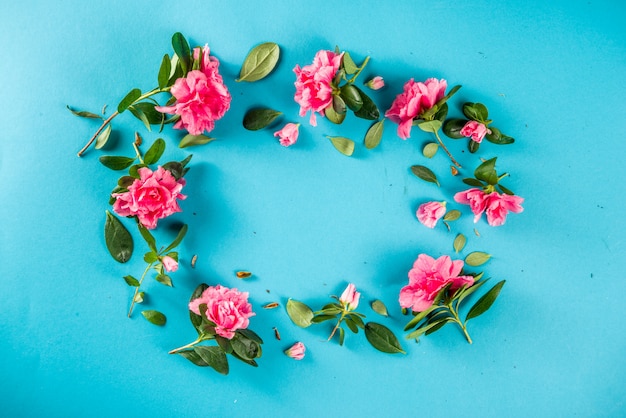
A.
pixel 359 70
pixel 137 152
pixel 343 314
pixel 455 315
pixel 143 276
pixel 446 149
pixel 186 346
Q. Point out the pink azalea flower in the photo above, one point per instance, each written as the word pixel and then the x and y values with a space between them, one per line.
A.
pixel 288 135
pixel 201 96
pixel 376 83
pixel 475 198
pixel 430 212
pixel 151 197
pixel 296 351
pixel 350 298
pixel 227 308
pixel 169 264
pixel 413 102
pixel 499 205
pixel 427 277
pixel 475 130
pixel 314 89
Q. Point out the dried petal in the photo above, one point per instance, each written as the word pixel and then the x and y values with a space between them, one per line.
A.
pixel 193 261
pixel 276 333
pixel 271 305
pixel 243 274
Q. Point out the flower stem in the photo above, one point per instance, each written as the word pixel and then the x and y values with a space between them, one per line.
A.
pixel 365 61
pixel 184 347
pixel 461 324
pixel 343 314
pixel 143 276
pixel 446 149
pixel 137 152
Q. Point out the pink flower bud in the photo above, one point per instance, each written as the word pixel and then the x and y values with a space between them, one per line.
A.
pixel 475 130
pixel 288 135
pixel 169 264
pixel 430 212
pixel 376 83
pixel 350 298
pixel 296 351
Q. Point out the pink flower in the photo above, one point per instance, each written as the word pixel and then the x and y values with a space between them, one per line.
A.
pixel 350 298
pixel 151 197
pixel 475 130
pixel 376 83
pixel 314 89
pixel 499 205
pixel 427 277
pixel 288 135
pixel 169 264
pixel 413 102
pixel 430 212
pixel 296 351
pixel 227 308
pixel 475 198
pixel 201 96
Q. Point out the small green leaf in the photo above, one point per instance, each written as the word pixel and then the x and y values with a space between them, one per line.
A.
pixel 260 61
pixel 139 297
pixel 430 149
pixel 196 320
pixel 339 105
pixel 459 243
pixel 139 114
pixel 419 317
pixel 333 116
pixel 128 100
pixel 351 324
pixel 251 335
pixel 348 64
pixel 154 317
pixel 374 134
pixel 175 168
pixel 342 144
pixel 485 302
pixel 318 319
pixel 430 125
pixel 181 48
pixel 179 237
pixel 473 146
pixel 259 118
pixel 486 172
pixel 115 162
pixel 245 348
pixel 425 174
pixel 505 190
pixel 475 111
pixel 498 137
pixel 131 281
pixel 368 110
pixel 193 357
pixel 342 336
pixel 379 307
pixel 164 279
pixel 300 314
pixel 214 357
pixel 154 152
pixel 465 292
pixel 191 140
pixel 84 114
pixel 452 215
pixel 118 240
pixel 103 137
pixel 151 116
pixel 473 182
pixel 477 258
pixel 452 128
pixel 382 339
pixel 426 327
pixel 164 71
pixel 351 97
pixel 148 237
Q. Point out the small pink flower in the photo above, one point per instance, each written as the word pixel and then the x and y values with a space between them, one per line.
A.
pixel 296 351
pixel 169 264
pixel 475 198
pixel 499 205
pixel 227 308
pixel 201 96
pixel 413 102
pixel 314 89
pixel 151 197
pixel 427 277
pixel 288 135
pixel 350 298
pixel 376 83
pixel 475 130
pixel 430 212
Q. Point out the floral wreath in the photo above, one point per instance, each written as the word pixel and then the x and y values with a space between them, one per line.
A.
pixel 195 97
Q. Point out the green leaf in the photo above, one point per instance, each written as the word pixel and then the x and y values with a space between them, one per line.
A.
pixel 84 114
pixel 175 168
pixel 139 297
pixel 477 258
pixel 374 134
pixel 379 307
pixel 299 313
pixel 154 152
pixel 139 114
pixel 131 281
pixel 245 348
pixel 465 292
pixel 452 128
pixel 426 327
pixel 333 116
pixel 318 319
pixel 348 64
pixel 181 48
pixel 425 174
pixel 154 317
pixel 214 357
pixel 251 335
pixel 164 71
pixel 148 237
pixel 430 149
pixel 103 137
pixel 473 146
pixel 118 240
pixel 196 320
pixel 193 357
pixel 452 215
pixel 339 105
pixel 486 172
pixel 164 279
pixel 342 144
pixel 368 110
pixel 179 237
pixel 505 190
pixel 459 243
pixel 115 162
pixel 485 302
pixel 442 113
pixel 342 336
pixel 473 182
pixel 351 97
pixel 430 125
pixel 260 61
pixel 150 257
pixel 476 111
pixel 125 181
pixel 382 339
pixel 191 140
pixel 419 317
pixel 259 118
pixel 498 137
pixel 128 100
pixel 351 324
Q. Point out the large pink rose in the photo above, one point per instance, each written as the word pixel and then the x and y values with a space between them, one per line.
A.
pixel 427 277
pixel 201 96
pixel 413 102
pixel 227 308
pixel 314 90
pixel 430 212
pixel 475 198
pixel 151 197
pixel 475 130
pixel 499 205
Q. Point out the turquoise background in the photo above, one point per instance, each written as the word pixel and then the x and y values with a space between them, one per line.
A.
pixel 307 220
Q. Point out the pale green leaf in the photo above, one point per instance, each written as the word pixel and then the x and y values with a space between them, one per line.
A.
pixel 154 317
pixel 382 338
pixel 260 61
pixel 300 314
pixel 342 144
pixel 430 149
pixel 477 258
pixel 459 243
pixel 374 134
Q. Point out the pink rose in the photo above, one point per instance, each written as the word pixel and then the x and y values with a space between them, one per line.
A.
pixel 427 277
pixel 499 205
pixel 151 197
pixel 414 101
pixel 169 264
pixel 314 89
pixel 296 351
pixel 350 298
pixel 430 212
pixel 227 308
pixel 201 96
pixel 288 135
pixel 475 130
pixel 376 83
pixel 475 198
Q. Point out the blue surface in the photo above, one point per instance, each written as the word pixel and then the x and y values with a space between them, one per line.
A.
pixel 307 220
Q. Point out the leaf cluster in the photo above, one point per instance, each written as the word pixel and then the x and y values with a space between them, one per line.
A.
pixel 486 177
